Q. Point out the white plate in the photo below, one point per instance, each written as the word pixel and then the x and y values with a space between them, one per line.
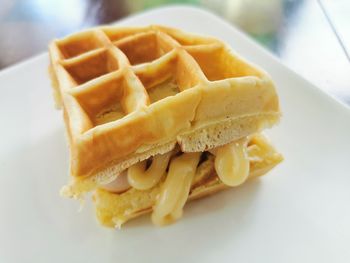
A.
pixel 300 212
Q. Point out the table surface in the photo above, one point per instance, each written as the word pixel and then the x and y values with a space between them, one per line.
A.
pixel 311 37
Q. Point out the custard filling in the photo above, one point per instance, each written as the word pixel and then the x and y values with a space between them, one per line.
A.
pixel 178 171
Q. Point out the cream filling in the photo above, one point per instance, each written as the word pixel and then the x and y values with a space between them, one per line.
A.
pixel 118 185
pixel 142 179
pixel 231 165
pixel 175 190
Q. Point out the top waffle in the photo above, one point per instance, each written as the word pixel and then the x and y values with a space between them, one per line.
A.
pixel 126 91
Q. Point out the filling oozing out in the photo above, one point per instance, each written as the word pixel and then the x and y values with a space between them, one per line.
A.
pixel 178 170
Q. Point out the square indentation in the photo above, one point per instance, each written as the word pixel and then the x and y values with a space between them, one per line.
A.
pixel 103 102
pixel 79 44
pixel 219 63
pixel 162 90
pixel 143 47
pixel 92 67
pixel 109 114
pixel 167 77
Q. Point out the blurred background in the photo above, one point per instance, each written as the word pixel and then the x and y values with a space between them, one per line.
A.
pixel 309 36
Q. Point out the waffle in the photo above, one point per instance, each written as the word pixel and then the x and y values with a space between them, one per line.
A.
pixel 130 93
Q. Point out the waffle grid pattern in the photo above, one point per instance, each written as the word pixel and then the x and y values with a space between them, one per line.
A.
pixel 105 75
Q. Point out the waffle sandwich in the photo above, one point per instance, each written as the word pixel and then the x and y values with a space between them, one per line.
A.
pixel 156 117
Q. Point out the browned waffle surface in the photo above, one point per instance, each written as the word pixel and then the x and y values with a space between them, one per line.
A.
pixel 124 90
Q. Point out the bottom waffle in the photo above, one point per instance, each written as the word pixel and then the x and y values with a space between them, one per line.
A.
pixel 114 209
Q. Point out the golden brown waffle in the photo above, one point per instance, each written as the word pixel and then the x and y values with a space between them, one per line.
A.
pixel 130 93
